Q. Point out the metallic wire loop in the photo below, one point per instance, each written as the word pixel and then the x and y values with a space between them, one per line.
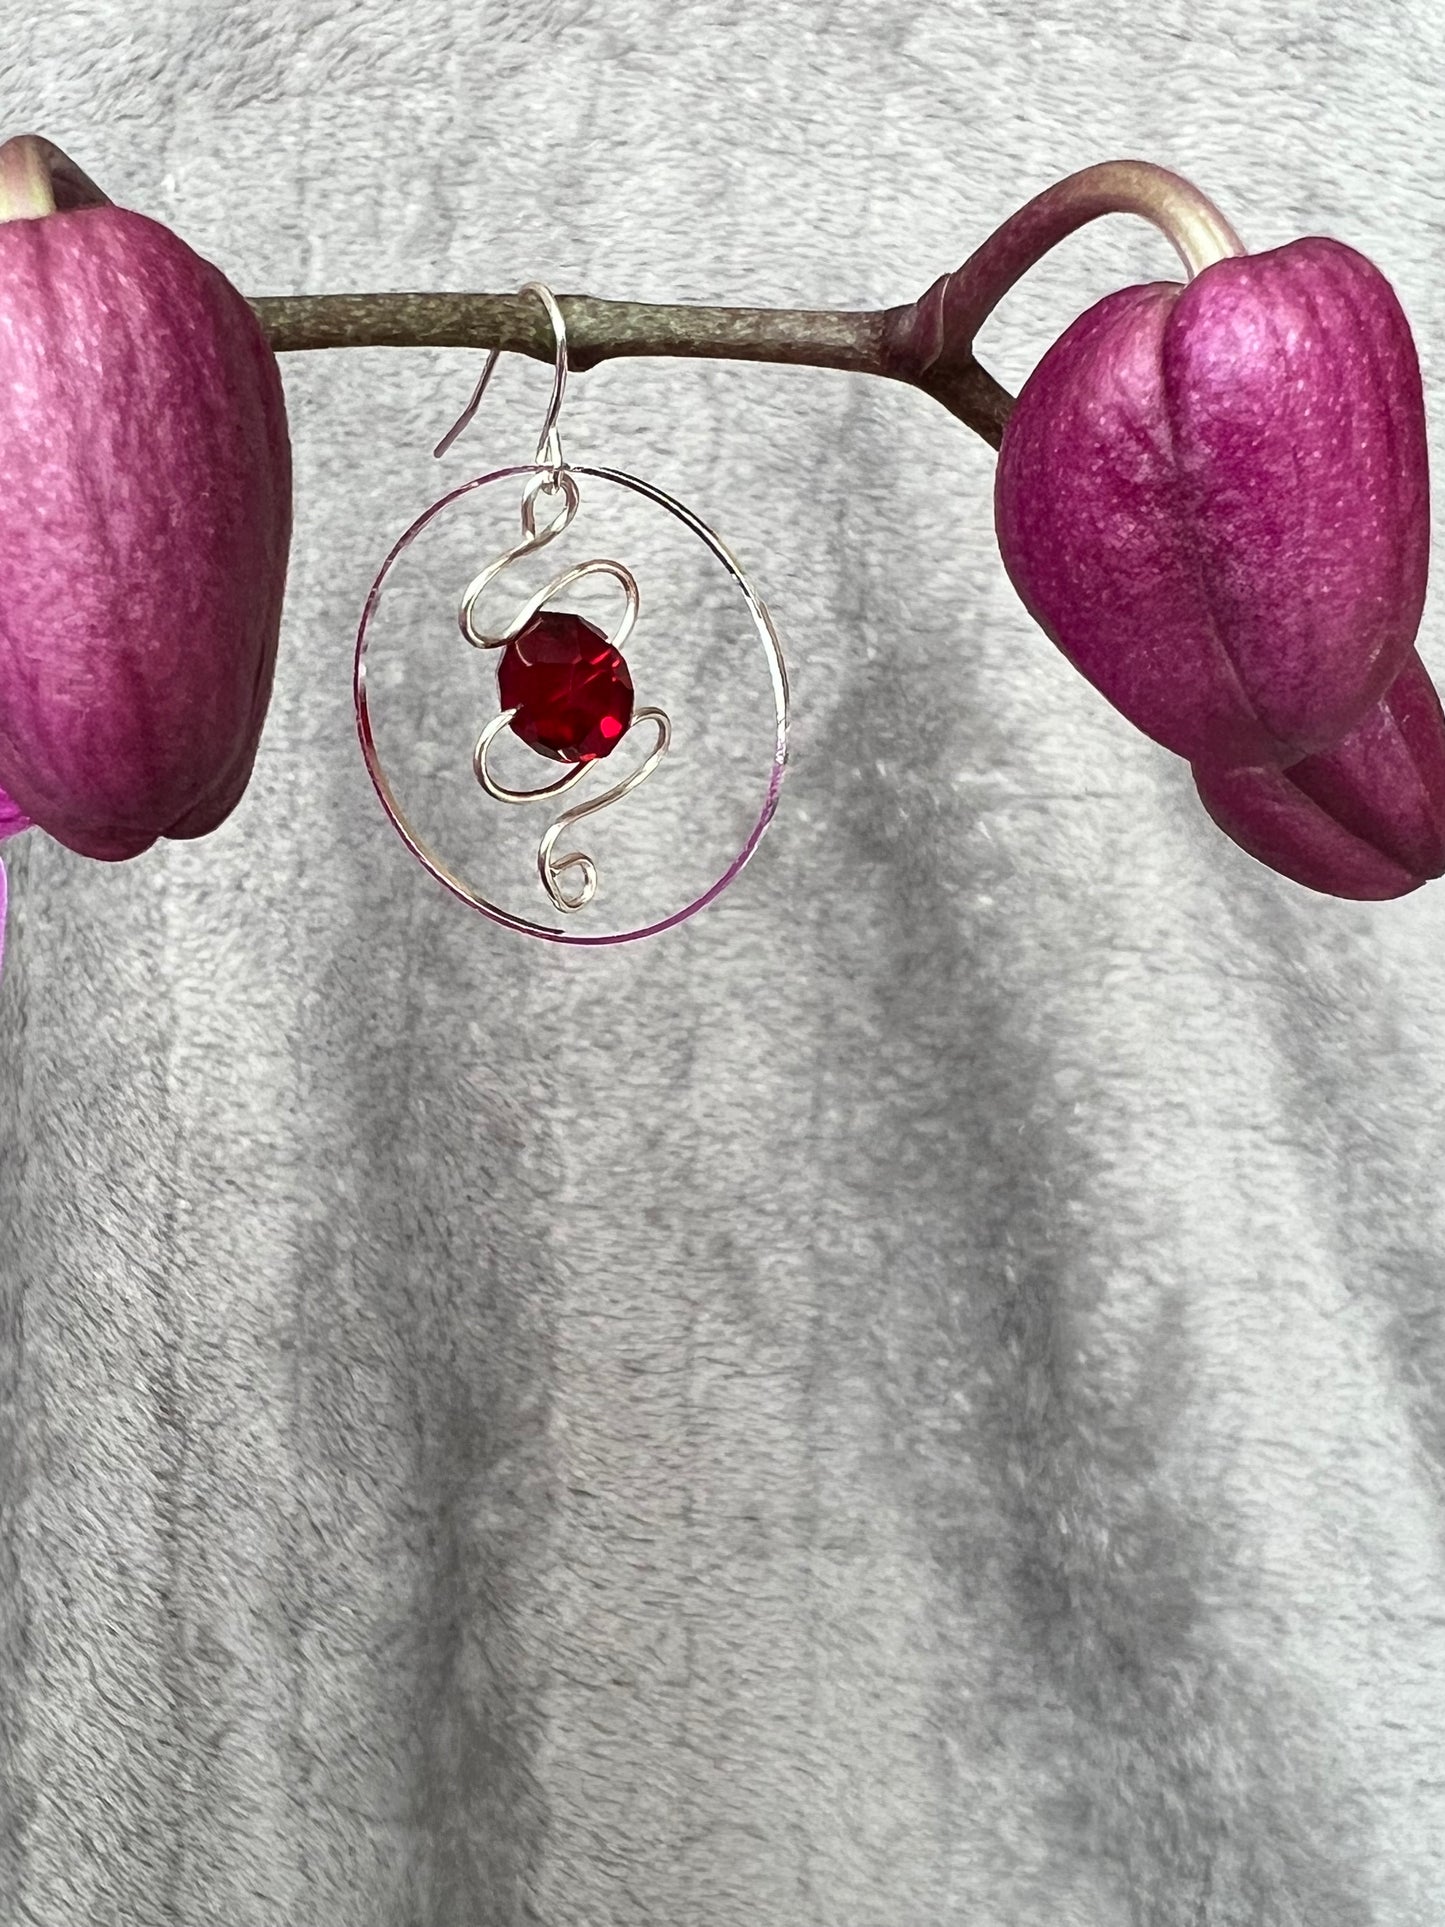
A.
pixel 499 791
pixel 534 604
pixel 573 866
pixel 565 485
pixel 550 868
pixel 552 478
pixel 553 869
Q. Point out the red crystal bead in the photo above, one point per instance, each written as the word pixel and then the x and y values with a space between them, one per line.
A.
pixel 571 689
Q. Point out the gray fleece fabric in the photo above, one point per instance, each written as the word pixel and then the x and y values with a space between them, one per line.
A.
pixel 917 1400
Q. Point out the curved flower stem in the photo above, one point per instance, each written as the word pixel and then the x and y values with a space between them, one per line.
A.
pixel 927 343
pixel 860 343
pixel 1199 232
pixel 935 334
pixel 596 330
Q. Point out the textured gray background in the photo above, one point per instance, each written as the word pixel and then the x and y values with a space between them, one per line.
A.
pixel 917 1399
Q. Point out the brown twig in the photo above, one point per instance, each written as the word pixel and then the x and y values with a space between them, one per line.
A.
pixel 869 344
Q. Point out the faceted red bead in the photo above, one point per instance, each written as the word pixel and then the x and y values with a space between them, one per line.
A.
pixel 570 688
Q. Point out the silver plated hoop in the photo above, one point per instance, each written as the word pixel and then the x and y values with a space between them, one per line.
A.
pixel 570 880
pixel 550 469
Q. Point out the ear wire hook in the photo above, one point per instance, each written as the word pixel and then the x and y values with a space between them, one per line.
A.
pixel 549 442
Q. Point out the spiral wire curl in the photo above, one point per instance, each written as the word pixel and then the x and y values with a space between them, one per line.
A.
pixel 553 478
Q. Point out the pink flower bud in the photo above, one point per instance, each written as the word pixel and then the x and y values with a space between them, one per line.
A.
pixel 1214 498
pixel 1365 818
pixel 145 514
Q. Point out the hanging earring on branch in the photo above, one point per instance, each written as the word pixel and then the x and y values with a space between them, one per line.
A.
pixel 563 685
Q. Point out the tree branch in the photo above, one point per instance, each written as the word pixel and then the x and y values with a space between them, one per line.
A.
pixel 926 343
pixel 870 343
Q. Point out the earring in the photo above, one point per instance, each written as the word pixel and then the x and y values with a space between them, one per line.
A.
pixel 564 687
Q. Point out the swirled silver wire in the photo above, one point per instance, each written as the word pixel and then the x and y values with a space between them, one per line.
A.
pixel 554 478
pixel 551 868
pixel 396 811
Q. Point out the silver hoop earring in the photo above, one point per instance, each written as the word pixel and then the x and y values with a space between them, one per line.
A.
pixel 564 686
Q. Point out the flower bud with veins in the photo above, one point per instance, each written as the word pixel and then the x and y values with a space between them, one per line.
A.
pixel 145 517
pixel 1213 496
pixel 1214 499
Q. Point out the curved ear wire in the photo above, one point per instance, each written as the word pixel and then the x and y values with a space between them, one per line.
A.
pixel 471 408
pixel 549 443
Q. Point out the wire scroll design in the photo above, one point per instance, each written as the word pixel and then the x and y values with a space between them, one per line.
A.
pixel 552 479
pixel 555 870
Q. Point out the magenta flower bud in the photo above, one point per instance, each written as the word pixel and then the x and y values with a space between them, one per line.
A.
pixel 145 515
pixel 1214 499
pixel 1365 818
